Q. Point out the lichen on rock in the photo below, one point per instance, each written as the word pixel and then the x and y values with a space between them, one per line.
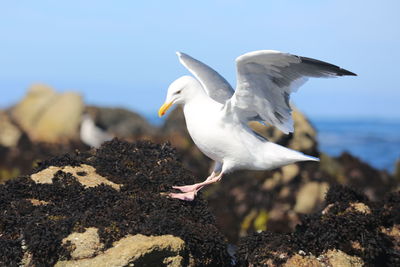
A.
pixel 136 250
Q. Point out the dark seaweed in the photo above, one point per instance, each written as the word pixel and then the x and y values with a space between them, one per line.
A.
pixel 335 229
pixel 144 169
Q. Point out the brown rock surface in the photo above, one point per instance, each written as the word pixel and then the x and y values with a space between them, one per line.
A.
pixel 337 258
pixel 310 195
pixel 302 261
pixel 332 258
pixel 48 116
pixel 28 111
pixel 85 174
pixel 302 139
pixel 9 133
pixel 83 245
pixel 140 250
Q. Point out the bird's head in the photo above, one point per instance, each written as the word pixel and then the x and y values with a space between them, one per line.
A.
pixel 178 93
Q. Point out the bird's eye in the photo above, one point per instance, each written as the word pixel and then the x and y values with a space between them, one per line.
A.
pixel 178 92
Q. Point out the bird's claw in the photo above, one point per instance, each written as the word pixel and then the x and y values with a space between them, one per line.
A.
pixel 188 196
pixel 186 188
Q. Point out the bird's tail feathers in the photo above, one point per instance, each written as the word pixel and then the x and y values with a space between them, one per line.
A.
pixel 304 157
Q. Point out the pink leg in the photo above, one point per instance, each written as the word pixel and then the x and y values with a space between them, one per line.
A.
pixel 193 187
pixel 190 195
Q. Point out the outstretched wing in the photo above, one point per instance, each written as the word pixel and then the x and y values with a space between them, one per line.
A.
pixel 213 83
pixel 265 80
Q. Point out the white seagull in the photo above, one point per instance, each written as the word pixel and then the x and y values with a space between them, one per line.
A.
pixel 217 116
pixel 92 135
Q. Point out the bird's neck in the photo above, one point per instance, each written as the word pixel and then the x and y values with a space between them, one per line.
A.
pixel 198 104
pixel 196 93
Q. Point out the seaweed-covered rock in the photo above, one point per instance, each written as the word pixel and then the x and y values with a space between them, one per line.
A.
pixel 350 231
pixel 21 159
pixel 372 182
pixel 277 198
pixel 107 206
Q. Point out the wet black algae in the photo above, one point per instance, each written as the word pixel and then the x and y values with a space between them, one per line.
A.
pixel 144 169
pixel 335 229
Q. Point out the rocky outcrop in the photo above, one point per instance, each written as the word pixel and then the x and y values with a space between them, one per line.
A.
pixel 46 123
pixel 122 122
pixel 243 202
pixel 350 231
pixel 303 139
pixel 9 132
pixel 107 207
pixel 140 250
pixel 48 116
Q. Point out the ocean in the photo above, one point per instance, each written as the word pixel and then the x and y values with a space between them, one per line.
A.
pixel 374 141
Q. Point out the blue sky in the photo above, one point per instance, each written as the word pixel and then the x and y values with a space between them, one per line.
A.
pixel 122 53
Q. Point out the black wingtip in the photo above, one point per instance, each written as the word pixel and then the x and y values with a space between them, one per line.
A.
pixel 344 72
pixel 338 71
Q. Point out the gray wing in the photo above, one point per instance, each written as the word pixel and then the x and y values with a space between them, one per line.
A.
pixel 213 83
pixel 265 80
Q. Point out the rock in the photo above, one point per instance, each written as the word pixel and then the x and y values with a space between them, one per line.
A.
pixel 372 182
pixel 310 196
pixel 334 258
pixel 302 261
pixel 289 172
pixel 9 133
pixel 333 168
pixel 84 174
pixel 394 233
pixel 28 111
pixel 339 258
pixel 175 123
pixel 122 122
pixel 48 116
pixel 21 160
pixel 305 136
pixel 358 207
pixel 348 233
pixel 397 171
pixel 302 139
pixel 36 202
pixel 136 250
pixel 83 245
pixel 107 207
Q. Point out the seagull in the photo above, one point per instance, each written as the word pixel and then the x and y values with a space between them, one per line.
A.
pixel 92 135
pixel 217 116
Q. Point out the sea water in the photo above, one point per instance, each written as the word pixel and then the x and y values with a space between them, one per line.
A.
pixel 375 141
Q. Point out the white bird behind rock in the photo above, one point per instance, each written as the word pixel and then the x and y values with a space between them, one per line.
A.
pixel 92 135
pixel 217 116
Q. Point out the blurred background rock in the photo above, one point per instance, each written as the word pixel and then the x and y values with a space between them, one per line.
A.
pixel 46 123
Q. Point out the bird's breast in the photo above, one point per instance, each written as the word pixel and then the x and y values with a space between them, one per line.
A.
pixel 216 138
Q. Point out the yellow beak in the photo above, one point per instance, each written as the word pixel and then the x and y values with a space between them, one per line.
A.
pixel 164 109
